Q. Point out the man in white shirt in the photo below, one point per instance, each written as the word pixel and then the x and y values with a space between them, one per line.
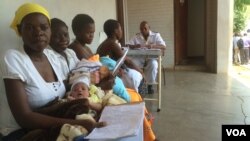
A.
pixel 149 40
pixel 236 50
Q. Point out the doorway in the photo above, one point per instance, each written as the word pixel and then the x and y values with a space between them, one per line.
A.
pixel 189 27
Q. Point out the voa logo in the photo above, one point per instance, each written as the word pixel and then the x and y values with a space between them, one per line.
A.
pixel 236 132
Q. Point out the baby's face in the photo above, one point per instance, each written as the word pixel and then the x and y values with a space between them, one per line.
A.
pixel 80 90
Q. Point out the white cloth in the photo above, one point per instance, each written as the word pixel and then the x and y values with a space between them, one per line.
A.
pixel 87 66
pixel 235 40
pixel 66 65
pixel 81 73
pixel 150 65
pixel 18 65
pixel 79 77
pixel 131 77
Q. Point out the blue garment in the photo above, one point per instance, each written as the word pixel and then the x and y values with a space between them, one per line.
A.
pixel 80 138
pixel 119 88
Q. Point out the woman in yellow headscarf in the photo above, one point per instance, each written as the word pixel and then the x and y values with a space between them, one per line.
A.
pixel 25 10
pixel 32 78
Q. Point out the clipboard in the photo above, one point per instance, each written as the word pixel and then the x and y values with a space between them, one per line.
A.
pixel 120 61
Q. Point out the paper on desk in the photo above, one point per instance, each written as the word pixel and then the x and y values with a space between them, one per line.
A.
pixel 123 121
pixel 145 48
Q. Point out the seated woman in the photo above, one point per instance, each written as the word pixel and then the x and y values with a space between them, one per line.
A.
pixel 83 27
pixel 110 47
pixel 59 42
pixel 32 78
pixel 132 76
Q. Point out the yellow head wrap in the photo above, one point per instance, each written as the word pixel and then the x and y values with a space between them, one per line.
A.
pixel 24 10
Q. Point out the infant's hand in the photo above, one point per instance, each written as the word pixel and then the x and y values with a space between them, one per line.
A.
pixel 70 98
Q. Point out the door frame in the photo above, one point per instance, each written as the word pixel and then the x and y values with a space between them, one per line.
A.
pixel 180 31
pixel 121 18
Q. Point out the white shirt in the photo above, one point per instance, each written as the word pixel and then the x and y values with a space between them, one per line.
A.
pixel 18 65
pixel 235 39
pixel 66 65
pixel 153 39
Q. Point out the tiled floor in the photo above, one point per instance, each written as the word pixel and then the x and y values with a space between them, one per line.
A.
pixel 196 104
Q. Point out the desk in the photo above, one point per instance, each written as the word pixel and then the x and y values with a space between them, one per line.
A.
pixel 154 53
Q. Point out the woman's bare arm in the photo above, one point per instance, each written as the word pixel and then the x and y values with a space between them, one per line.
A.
pixel 118 54
pixel 81 52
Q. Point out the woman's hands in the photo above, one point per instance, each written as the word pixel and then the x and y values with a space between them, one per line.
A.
pixel 90 124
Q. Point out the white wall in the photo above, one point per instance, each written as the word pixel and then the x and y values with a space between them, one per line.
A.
pixel 160 15
pixel 224 35
pixel 211 35
pixel 99 10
